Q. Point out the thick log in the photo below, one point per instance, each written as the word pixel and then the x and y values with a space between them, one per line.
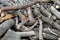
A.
pixel 6 25
pixel 12 35
pixel 44 11
pixel 55 12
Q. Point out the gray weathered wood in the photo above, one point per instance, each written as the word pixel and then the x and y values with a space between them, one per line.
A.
pixel 49 36
pixel 55 12
pixel 6 25
pixel 40 30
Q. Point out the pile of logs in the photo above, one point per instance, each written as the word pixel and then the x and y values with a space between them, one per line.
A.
pixel 29 19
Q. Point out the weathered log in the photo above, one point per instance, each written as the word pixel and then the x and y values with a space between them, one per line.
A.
pixel 52 31
pixel 12 35
pixel 55 12
pixel 36 10
pixel 56 1
pixel 5 26
pixel 30 16
pixel 26 34
pixel 49 36
pixel 44 11
pixel 56 25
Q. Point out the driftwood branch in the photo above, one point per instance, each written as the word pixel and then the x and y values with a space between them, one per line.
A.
pixel 40 30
